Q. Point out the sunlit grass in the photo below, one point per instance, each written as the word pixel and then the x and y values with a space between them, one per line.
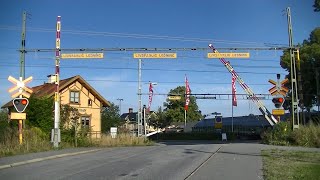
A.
pixel 280 164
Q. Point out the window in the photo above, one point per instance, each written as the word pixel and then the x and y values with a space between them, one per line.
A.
pixel 89 102
pixel 74 97
pixel 85 121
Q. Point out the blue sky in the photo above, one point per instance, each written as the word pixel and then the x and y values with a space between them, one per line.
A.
pixel 154 24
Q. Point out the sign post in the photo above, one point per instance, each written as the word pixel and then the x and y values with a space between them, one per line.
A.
pixel 279 91
pixel 20 103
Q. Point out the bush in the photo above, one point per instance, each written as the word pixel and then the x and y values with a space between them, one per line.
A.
pixel 279 135
pixel 308 136
pixel 34 140
pixel 282 134
pixel 121 140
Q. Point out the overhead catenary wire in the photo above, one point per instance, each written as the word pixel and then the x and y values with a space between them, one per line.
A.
pixel 143 36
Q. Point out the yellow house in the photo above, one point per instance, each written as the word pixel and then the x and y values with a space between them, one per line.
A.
pixel 77 93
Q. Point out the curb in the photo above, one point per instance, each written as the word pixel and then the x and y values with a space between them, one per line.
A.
pixel 45 158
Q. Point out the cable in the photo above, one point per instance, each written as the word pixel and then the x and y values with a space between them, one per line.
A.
pixel 135 81
pixel 153 69
pixel 144 36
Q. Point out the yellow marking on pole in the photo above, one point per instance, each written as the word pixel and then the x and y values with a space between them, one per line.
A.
pixel 20 131
pixel 228 55
pixel 155 55
pixel 83 56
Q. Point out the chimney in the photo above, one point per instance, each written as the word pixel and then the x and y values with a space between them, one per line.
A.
pixel 130 110
pixel 51 78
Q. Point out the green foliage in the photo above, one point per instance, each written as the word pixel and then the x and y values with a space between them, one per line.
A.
pixel 316 5
pixel 40 113
pixel 174 109
pixel 279 135
pixel 159 120
pixel 282 134
pixel 69 117
pixel 307 136
pixel 308 66
pixel 280 164
pixel 34 140
pixel 110 117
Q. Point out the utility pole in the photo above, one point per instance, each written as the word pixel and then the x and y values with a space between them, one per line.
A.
pixel 56 130
pixel 23 54
pixel 318 90
pixel 119 99
pixel 139 99
pixel 294 88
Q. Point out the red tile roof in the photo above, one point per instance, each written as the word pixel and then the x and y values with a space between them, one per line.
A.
pixel 48 89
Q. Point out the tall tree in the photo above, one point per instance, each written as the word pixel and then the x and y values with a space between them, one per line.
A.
pixel 110 117
pixel 40 113
pixel 175 108
pixel 308 67
pixel 159 120
pixel 316 5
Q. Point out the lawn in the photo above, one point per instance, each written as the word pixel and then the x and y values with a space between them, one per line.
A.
pixel 280 164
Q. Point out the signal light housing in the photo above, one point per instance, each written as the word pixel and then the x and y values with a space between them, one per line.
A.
pixel 278 102
pixel 20 104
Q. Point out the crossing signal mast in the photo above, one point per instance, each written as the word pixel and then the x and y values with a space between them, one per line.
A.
pixel 270 118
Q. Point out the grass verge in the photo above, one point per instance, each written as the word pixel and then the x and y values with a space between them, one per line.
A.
pixel 280 164
pixel 122 140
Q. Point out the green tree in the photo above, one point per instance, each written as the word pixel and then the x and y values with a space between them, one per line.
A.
pixel 175 108
pixel 110 117
pixel 159 119
pixel 40 113
pixel 316 5
pixel 69 117
pixel 308 66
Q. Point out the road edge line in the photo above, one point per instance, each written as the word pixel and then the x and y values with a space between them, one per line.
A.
pixel 45 158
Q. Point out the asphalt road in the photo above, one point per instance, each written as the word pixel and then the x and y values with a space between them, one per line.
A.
pixel 170 160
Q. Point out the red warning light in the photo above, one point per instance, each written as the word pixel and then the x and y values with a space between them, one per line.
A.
pixel 280 100
pixel 24 101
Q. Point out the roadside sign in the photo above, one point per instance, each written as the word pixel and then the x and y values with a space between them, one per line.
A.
pixel 82 56
pixel 20 85
pixel 174 97
pixel 278 112
pixel 278 87
pixel 218 122
pixel 228 55
pixel 20 116
pixel 154 55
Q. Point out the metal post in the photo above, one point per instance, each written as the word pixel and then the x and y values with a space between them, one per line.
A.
pixel 23 45
pixel 23 51
pixel 318 90
pixel 120 105
pixel 139 97
pixel 232 117
pixel 185 120
pixel 144 121
pixel 20 131
pixel 56 95
pixel 294 89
